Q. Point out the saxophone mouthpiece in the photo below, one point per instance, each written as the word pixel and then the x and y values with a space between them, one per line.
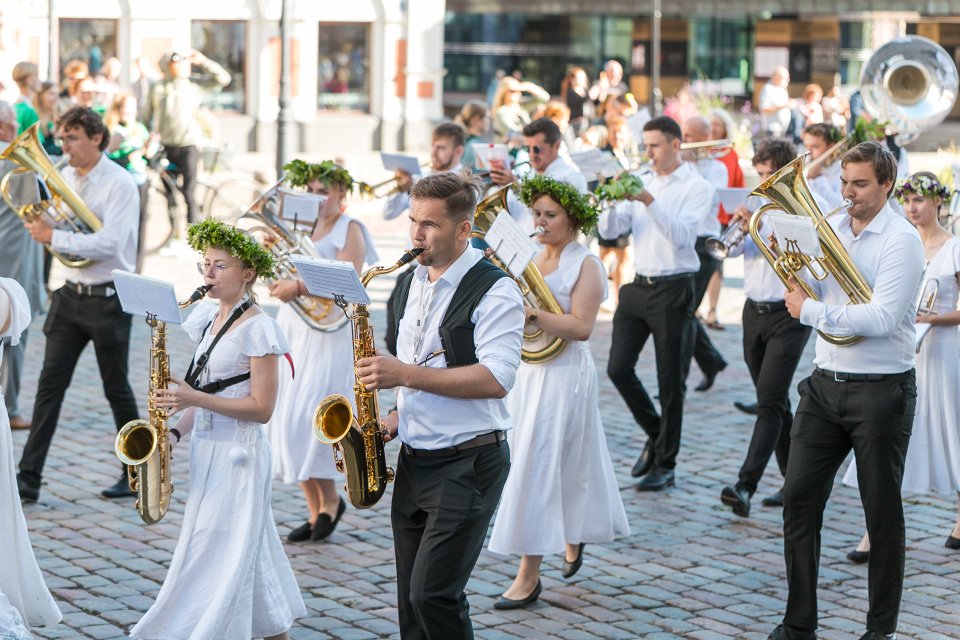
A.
pixel 409 255
pixel 197 295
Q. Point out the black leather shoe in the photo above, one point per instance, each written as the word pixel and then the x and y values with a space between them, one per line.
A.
pixel 571 568
pixel 952 543
pixel 778 634
pixel 709 377
pixel 858 557
pixel 644 461
pixel 28 491
pixel 876 635
pixel 657 480
pixel 776 500
pixel 749 409
pixel 738 499
pixel 119 490
pixel 301 533
pixel 506 603
pixel 324 525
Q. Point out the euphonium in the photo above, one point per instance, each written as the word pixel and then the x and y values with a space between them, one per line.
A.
pixel 538 345
pixel 358 439
pixel 65 209
pixel 142 444
pixel 788 191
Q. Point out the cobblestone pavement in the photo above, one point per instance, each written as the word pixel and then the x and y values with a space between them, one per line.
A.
pixel 689 569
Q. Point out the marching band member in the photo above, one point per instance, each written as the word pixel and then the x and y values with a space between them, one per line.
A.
pixel 460 330
pixel 446 152
pixel 860 396
pixel 824 181
pixel 561 492
pixel 933 458
pixel 664 220
pixel 21 583
pixel 229 577
pixel 772 345
pixel 697 129
pixel 323 368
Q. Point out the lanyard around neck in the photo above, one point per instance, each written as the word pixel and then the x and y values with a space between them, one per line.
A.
pixel 193 374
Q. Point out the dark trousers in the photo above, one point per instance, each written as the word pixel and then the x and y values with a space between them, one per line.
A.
pixel 185 159
pixel 705 354
pixel 440 513
pixel 875 420
pixel 772 345
pixel 72 322
pixel 662 310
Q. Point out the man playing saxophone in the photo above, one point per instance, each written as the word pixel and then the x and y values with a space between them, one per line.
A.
pixel 460 332
pixel 861 396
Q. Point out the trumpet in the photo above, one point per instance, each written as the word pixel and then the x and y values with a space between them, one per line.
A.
pixel 371 191
pixel 928 296
pixel 708 149
pixel 720 248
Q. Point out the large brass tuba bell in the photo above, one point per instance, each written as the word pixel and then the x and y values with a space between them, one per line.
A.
pixel 64 210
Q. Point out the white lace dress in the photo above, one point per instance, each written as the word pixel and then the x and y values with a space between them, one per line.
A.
pixel 561 488
pixel 933 456
pixel 24 598
pixel 229 578
pixel 324 365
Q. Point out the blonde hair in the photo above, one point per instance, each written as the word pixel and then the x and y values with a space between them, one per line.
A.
pixel 113 115
pixel 22 71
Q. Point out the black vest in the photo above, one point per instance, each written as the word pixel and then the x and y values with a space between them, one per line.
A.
pixel 456 328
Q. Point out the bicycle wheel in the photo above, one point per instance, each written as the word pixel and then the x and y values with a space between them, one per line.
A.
pixel 162 216
pixel 230 199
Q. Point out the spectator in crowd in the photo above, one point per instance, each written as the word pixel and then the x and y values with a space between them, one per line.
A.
pixel 836 109
pixel 576 95
pixel 775 103
pixel 148 72
pixel 49 108
pixel 622 105
pixel 474 117
pixel 560 114
pixel 494 85
pixel 28 82
pixel 83 94
pixel 810 107
pixel 74 71
pixel 595 137
pixel 609 83
pixel 510 116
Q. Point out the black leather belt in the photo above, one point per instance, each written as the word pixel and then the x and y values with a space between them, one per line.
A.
pixel 652 281
pixel 767 307
pixel 840 376
pixel 494 437
pixel 102 290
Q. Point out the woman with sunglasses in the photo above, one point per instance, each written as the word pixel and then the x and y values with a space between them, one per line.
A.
pixel 229 577
pixel 561 492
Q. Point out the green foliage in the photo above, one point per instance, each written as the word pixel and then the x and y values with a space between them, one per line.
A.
pixel 300 172
pixel 577 205
pixel 866 130
pixel 238 243
pixel 620 188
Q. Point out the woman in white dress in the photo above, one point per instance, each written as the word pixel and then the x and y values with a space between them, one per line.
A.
pixel 24 598
pixel 324 358
pixel 933 457
pixel 229 578
pixel 561 492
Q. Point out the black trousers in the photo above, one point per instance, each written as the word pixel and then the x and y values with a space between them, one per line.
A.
pixel 185 159
pixel 772 345
pixel 705 354
pixel 663 310
pixel 72 322
pixel 875 420
pixel 440 513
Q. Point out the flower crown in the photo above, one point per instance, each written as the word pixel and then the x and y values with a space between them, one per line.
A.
pixel 577 205
pixel 238 243
pixel 300 172
pixel 923 185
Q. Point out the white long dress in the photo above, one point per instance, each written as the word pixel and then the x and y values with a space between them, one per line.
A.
pixel 933 456
pixel 229 578
pixel 20 579
pixel 324 365
pixel 561 488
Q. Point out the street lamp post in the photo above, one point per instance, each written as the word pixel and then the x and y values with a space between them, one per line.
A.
pixel 284 123
pixel 656 96
pixel 52 73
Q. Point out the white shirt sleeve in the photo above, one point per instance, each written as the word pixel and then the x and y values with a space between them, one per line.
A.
pixel 396 205
pixel 498 331
pixel 681 226
pixel 120 220
pixel 616 220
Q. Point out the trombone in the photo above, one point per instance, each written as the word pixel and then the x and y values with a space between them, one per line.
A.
pixel 708 149
pixel 371 191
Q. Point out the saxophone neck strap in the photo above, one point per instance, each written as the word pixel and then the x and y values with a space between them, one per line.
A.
pixel 197 365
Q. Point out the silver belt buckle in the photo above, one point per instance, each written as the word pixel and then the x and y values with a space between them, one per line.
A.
pixel 838 377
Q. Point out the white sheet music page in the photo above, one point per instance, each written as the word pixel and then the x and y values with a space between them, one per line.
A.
pixel 331 279
pixel 795 233
pixel 733 197
pixel 300 206
pixel 142 296
pixel 394 161
pixel 512 246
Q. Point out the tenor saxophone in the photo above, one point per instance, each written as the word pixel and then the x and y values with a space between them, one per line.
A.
pixel 142 444
pixel 358 439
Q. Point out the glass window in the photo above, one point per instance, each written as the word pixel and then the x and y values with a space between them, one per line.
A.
pixel 344 67
pixel 224 42
pixel 722 50
pixel 90 41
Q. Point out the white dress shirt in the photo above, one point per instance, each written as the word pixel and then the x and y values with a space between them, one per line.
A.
pixel 889 255
pixel 399 202
pixel 430 421
pixel 111 193
pixel 760 281
pixel 664 234
pixel 715 173
pixel 561 169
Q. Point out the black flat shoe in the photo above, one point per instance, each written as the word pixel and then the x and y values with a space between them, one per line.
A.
pixel 28 491
pixel 749 409
pixel 644 461
pixel 325 525
pixel 877 635
pixel 506 603
pixel 776 500
pixel 119 490
pixel 858 557
pixel 709 377
pixel 301 533
pixel 952 543
pixel 657 480
pixel 571 568
pixel 778 634
pixel 738 499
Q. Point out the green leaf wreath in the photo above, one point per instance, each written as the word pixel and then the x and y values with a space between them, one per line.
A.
pixel 238 243
pixel 577 205
pixel 620 188
pixel 299 173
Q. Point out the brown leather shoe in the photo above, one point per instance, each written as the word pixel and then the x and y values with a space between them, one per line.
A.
pixel 17 422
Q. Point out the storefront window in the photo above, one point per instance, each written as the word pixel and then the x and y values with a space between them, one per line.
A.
pixel 90 41
pixel 224 42
pixel 344 67
pixel 721 50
